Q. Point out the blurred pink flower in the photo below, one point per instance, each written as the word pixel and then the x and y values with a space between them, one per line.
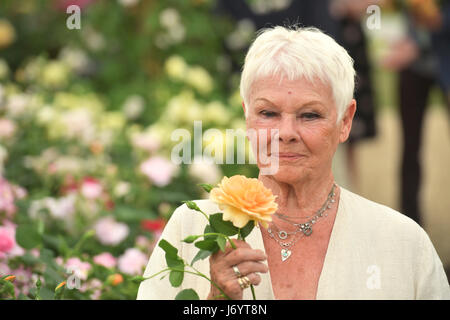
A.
pixel 91 188
pixel 8 245
pixel 7 196
pixel 59 261
pixel 159 170
pixel 35 252
pixel 78 268
pixel 7 128
pixel 7 241
pixel 146 141
pixel 110 232
pixel 132 261
pixel 105 259
pixel 95 285
pixel 23 281
pixel 63 4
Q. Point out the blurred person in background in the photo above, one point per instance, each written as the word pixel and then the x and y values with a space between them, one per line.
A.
pixel 422 60
pixel 350 14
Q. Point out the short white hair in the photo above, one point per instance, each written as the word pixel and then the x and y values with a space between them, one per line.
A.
pixel 295 53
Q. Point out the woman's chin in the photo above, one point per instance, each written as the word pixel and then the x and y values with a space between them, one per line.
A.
pixel 288 174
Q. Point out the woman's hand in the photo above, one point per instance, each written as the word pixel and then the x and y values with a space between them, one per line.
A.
pixel 247 260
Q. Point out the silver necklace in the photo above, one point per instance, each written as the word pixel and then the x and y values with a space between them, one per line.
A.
pixel 304 229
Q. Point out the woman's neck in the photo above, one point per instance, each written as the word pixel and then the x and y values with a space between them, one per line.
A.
pixel 302 198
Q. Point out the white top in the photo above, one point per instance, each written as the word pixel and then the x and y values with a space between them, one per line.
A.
pixel 374 252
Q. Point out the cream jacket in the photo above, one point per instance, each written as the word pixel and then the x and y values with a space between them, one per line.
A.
pixel 374 252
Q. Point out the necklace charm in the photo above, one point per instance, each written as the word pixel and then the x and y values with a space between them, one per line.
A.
pixel 306 229
pixel 282 235
pixel 285 254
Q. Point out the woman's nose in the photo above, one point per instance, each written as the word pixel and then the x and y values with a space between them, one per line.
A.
pixel 288 130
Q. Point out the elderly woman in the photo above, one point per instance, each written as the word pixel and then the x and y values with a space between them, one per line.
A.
pixel 324 242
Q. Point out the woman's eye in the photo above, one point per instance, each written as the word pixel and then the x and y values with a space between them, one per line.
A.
pixel 268 114
pixel 310 116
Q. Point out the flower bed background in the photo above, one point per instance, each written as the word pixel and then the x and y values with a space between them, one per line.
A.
pixel 85 121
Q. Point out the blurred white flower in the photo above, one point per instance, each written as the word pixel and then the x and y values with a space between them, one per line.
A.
pixel 75 58
pixel 62 208
pixel 132 261
pixel 200 79
pixel 176 67
pixel 17 104
pixel 79 124
pixel 159 170
pixel 55 74
pixel 110 232
pixel 46 114
pixel 133 106
pixel 169 17
pixel 183 108
pixel 122 188
pixel 94 39
pixel 217 113
pixel 204 170
pixel 175 31
pixel 242 35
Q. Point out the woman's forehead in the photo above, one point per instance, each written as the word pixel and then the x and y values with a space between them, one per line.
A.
pixel 273 88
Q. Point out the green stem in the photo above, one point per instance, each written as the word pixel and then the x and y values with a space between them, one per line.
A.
pixel 240 237
pixel 212 282
pixel 198 273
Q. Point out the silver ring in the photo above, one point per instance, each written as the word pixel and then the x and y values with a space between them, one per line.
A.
pixel 236 271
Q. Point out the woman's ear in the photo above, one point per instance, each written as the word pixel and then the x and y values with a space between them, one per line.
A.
pixel 346 122
pixel 243 106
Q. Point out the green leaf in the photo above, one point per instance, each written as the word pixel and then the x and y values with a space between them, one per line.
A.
pixel 222 243
pixel 207 187
pixel 202 254
pixel 210 245
pixel 209 229
pixel 221 226
pixel 175 263
pixel 247 229
pixel 187 294
pixel 176 278
pixel 170 250
pixel 27 236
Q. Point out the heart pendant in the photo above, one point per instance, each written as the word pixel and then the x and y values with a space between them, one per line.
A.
pixel 285 254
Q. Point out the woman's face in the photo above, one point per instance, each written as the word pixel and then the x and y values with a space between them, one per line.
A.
pixel 305 115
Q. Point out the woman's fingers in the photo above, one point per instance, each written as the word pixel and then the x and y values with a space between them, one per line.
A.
pixel 249 267
pixel 254 278
pixel 240 255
